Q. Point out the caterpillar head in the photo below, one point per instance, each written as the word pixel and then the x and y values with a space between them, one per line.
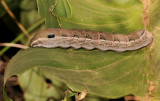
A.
pixel 45 38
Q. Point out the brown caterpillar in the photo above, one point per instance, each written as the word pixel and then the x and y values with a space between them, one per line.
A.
pixel 64 38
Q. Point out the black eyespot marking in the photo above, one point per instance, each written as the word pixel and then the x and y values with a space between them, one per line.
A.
pixel 64 35
pixel 131 39
pixel 51 35
pixel 102 37
pixel 88 36
pixel 116 39
pixel 75 36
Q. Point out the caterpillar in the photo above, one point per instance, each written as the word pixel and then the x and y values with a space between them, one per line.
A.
pixel 65 38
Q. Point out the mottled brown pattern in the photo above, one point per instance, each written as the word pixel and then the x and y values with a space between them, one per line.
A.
pixel 91 39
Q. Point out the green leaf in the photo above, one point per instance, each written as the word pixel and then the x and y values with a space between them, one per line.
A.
pixel 116 16
pixel 28 16
pixel 36 88
pixel 6 98
pixel 107 74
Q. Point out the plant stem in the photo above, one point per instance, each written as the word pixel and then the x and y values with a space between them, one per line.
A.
pixel 22 35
